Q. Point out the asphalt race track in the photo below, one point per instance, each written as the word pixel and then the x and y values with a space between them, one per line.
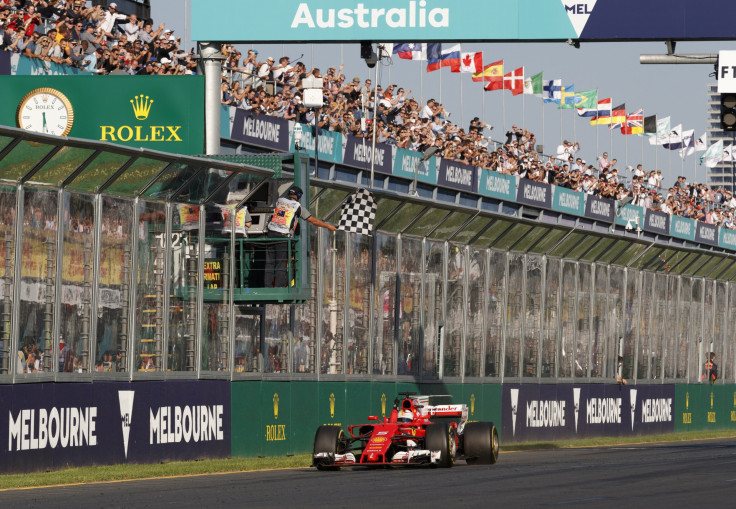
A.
pixel 683 474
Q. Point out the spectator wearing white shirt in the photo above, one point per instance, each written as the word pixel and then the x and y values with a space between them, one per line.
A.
pixel 111 15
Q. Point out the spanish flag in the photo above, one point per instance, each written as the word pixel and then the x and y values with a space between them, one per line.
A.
pixel 491 72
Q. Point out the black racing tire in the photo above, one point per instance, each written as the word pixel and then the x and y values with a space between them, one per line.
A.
pixel 329 439
pixel 480 443
pixel 440 437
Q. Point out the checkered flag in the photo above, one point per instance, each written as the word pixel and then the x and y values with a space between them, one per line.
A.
pixel 358 213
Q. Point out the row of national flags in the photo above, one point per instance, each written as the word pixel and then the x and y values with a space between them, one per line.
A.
pixel 585 103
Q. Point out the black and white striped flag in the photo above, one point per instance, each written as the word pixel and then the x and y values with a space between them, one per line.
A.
pixel 358 213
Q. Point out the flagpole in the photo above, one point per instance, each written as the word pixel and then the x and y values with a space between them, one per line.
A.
pixel 503 107
pixel 483 100
pixel 462 108
pixel 440 70
pixel 597 148
pixel 542 101
pixel 421 84
pixel 523 109
pixel 561 102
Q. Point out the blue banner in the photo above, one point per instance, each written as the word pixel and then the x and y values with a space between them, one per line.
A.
pixel 600 209
pixel 330 143
pixel 5 63
pixel 682 228
pixel 706 234
pixel 457 176
pixel 261 130
pixel 72 424
pixel 657 222
pixel 568 201
pixel 533 412
pixel 24 66
pixel 358 155
pixel 406 162
pixel 497 185
pixel 630 215
pixel 727 238
pixel 534 193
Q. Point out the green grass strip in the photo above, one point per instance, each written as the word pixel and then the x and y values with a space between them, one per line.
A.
pixel 114 473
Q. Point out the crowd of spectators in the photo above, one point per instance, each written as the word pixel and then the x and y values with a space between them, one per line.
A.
pixel 267 87
pixel 104 41
pixel 95 39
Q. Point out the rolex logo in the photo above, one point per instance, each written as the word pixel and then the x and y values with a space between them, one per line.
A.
pixel 332 405
pixel 275 405
pixel 141 106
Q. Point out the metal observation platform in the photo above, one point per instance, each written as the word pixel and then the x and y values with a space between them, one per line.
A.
pixel 122 264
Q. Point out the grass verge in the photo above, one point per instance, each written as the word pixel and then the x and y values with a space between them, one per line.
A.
pixel 111 473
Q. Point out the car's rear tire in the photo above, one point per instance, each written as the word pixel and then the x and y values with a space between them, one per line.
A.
pixel 480 443
pixel 440 437
pixel 330 440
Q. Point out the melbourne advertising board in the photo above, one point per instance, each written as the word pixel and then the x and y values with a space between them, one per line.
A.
pixel 461 20
pixel 49 425
pixel 558 412
pixel 156 112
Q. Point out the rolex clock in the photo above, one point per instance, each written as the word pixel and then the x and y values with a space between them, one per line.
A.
pixel 45 110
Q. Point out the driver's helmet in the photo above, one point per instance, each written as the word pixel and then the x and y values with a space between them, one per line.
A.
pixel 406 416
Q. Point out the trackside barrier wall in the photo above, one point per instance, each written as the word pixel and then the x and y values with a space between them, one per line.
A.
pixel 277 418
pixel 54 425
pixel 705 407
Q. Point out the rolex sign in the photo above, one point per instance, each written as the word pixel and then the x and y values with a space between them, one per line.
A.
pixel 156 112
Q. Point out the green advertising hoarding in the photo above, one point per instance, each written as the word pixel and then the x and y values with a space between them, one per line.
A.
pixel 272 418
pixel 163 113
pixel 705 407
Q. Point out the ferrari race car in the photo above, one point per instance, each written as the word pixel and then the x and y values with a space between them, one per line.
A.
pixel 409 436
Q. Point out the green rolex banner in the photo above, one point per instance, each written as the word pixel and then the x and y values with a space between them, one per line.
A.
pixel 156 112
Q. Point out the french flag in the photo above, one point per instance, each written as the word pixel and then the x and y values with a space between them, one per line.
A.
pixel 449 57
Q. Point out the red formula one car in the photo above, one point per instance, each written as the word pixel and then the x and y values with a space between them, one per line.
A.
pixel 417 433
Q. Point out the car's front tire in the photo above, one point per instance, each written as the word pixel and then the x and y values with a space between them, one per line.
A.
pixel 440 437
pixel 330 440
pixel 480 443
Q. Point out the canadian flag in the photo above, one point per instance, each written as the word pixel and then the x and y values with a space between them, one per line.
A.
pixel 514 81
pixel 471 62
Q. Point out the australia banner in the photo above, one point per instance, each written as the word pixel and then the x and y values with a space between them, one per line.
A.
pixel 261 130
pixel 358 155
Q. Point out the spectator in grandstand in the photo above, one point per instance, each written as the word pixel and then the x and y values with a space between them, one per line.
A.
pixel 110 17
pixel 132 28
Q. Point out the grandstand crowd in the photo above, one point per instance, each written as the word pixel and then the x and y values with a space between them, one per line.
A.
pixel 105 41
